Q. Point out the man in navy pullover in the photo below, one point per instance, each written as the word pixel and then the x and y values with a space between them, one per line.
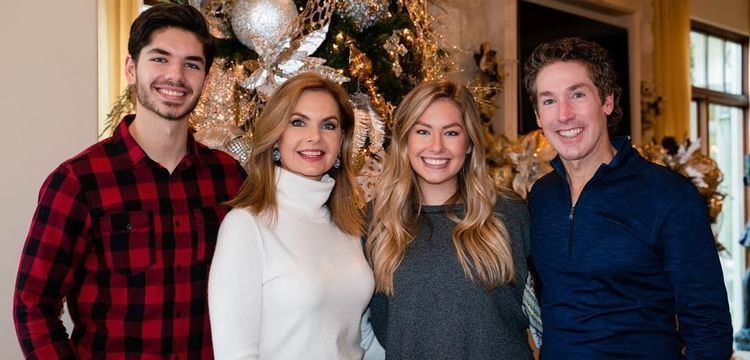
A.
pixel 623 247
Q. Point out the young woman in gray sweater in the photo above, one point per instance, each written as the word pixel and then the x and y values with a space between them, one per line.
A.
pixel 448 253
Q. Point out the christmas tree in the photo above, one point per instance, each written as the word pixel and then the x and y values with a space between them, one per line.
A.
pixel 377 49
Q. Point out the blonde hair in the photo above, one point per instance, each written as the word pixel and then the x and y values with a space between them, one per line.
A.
pixel 258 193
pixel 481 240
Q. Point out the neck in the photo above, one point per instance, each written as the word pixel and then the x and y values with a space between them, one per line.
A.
pixel 579 172
pixel 163 140
pixel 437 194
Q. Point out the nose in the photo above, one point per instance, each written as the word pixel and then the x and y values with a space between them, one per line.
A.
pixel 565 110
pixel 313 134
pixel 175 72
pixel 436 143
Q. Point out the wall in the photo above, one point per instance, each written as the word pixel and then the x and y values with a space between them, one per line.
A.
pixel 48 101
pixel 732 14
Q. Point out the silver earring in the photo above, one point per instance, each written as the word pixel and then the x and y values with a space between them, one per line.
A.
pixel 276 155
pixel 337 163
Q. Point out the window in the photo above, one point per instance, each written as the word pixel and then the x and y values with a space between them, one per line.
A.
pixel 718 71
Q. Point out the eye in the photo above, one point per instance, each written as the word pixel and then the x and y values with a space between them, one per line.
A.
pixel 329 125
pixel 159 60
pixel 297 122
pixel 452 133
pixel 192 66
pixel 546 102
pixel 578 94
pixel 421 132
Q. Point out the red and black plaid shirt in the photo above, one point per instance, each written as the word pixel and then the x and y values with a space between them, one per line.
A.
pixel 128 246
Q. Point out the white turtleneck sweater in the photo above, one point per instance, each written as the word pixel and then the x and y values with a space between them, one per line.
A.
pixel 293 291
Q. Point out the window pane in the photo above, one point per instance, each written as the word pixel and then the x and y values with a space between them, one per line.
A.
pixel 725 147
pixel 698 59
pixel 715 64
pixel 733 68
pixel 694 123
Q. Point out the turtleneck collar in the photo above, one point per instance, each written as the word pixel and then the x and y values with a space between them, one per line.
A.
pixel 301 195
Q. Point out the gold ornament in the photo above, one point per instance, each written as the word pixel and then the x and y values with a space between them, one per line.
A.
pixel 216 13
pixel 395 50
pixel 360 65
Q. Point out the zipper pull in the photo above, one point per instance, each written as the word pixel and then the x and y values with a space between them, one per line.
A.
pixel 572 210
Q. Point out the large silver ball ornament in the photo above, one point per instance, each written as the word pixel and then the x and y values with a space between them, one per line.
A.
pixel 260 24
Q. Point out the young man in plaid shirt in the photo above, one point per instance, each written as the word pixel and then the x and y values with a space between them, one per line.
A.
pixel 125 231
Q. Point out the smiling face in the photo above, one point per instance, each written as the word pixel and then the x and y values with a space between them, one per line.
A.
pixel 437 145
pixel 312 139
pixel 169 74
pixel 572 115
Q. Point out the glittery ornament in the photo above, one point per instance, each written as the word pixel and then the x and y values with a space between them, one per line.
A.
pixel 240 148
pixel 260 24
pixel 369 176
pixel 363 13
pixel 216 13
pixel 360 66
pixel 395 51
pixel 218 103
pixel 291 55
pixel 368 125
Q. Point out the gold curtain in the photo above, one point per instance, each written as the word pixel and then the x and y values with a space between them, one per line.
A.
pixel 115 17
pixel 672 67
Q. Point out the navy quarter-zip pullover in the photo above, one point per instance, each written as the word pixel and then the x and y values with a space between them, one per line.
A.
pixel 618 267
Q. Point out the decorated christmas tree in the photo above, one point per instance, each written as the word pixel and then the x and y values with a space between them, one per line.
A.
pixel 377 49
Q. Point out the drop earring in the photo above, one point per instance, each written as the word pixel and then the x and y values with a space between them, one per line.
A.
pixel 276 153
pixel 337 163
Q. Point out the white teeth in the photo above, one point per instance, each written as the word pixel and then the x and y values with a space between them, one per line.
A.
pixel 432 161
pixel 311 152
pixel 171 92
pixel 570 133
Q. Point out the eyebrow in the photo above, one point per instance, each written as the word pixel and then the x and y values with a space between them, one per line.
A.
pixel 334 117
pixel 167 53
pixel 458 124
pixel 569 88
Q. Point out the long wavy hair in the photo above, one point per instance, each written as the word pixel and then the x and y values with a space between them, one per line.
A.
pixel 481 240
pixel 258 193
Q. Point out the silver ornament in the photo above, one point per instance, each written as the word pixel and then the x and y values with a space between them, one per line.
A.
pixel 260 24
pixel 363 13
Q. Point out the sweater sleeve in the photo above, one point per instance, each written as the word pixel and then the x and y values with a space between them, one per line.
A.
pixel 235 288
pixel 692 264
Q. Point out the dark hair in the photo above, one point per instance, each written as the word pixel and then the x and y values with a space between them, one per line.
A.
pixel 598 65
pixel 170 15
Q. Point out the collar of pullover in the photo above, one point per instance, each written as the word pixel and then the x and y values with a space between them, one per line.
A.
pixel 301 195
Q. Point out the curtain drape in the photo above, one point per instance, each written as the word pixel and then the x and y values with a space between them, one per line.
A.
pixel 672 67
pixel 115 17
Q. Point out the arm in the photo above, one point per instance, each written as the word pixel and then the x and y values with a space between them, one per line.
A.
pixel 235 288
pixel 373 349
pixel 692 264
pixel 56 244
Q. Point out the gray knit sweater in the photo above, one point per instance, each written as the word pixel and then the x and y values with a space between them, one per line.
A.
pixel 438 313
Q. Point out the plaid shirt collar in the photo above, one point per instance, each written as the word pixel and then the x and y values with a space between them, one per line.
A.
pixel 136 154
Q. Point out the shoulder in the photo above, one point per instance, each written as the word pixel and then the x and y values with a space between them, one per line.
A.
pixel 510 207
pixel 239 218
pixel 82 168
pixel 218 158
pixel 666 181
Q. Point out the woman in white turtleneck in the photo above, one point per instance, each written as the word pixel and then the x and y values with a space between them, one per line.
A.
pixel 289 279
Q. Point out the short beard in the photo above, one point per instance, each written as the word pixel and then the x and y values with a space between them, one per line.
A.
pixel 170 113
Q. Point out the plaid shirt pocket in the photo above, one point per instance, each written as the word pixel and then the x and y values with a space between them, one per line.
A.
pixel 128 242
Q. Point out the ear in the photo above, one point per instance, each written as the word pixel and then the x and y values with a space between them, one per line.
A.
pixel 538 121
pixel 609 104
pixel 130 70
